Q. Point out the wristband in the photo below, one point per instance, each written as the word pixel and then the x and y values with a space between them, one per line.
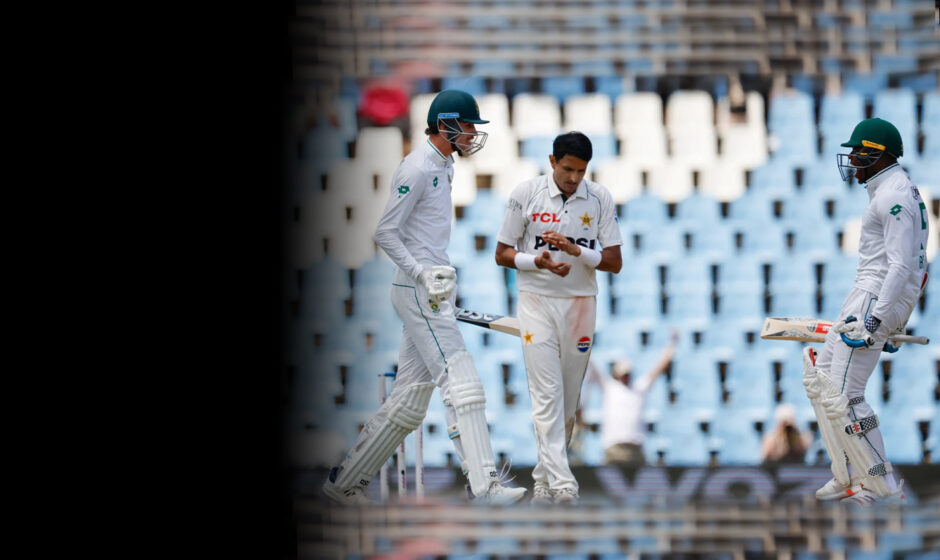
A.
pixel 525 261
pixel 590 257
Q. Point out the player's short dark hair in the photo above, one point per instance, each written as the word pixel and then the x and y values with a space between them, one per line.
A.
pixel 573 143
pixel 431 130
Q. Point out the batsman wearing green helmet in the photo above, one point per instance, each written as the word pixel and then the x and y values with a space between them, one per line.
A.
pixel 890 278
pixel 414 231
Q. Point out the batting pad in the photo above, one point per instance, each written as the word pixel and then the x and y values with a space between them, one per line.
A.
pixel 405 415
pixel 870 472
pixel 469 400
pixel 826 427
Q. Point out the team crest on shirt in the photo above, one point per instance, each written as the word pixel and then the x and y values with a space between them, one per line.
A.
pixel 586 220
pixel 584 344
pixel 435 182
pixel 435 307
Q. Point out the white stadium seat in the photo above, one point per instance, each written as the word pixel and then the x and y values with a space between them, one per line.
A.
pixel 590 113
pixel 536 114
pixel 621 177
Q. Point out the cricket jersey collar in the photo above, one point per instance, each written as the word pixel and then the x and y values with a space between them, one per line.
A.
pixel 873 183
pixel 443 160
pixel 553 190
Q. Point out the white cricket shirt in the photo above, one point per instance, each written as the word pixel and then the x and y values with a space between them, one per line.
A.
pixel 415 226
pixel 588 218
pixel 623 411
pixel 892 255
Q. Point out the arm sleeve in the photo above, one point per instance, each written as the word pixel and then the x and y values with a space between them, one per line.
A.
pixel 514 220
pixel 643 384
pixel 407 187
pixel 608 229
pixel 898 221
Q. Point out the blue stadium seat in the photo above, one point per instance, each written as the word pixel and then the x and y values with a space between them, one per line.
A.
pixel 712 241
pixel 698 209
pixel 685 444
pixel 492 67
pixel 485 214
pixel 647 208
pixel 791 107
pixel 738 441
pixel 695 380
pixel 786 270
pixel 474 84
pixel 658 243
pixel 610 84
pixel 899 106
pixel 538 148
pixel 765 240
pixel 563 86
pixel 592 67
pixel 755 206
pixel 750 380
pixel 815 242
pixel 604 147
pixel 774 178
pixel 378 271
pixel 865 83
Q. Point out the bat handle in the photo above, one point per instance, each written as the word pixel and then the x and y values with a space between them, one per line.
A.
pixel 911 339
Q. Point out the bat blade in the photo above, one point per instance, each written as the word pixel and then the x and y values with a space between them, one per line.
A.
pixel 807 329
pixel 804 329
pixel 508 325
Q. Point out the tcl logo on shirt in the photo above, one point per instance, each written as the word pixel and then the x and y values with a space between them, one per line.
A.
pixel 582 241
pixel 545 217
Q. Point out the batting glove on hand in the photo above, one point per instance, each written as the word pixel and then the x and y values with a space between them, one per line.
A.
pixel 856 333
pixel 891 345
pixel 439 281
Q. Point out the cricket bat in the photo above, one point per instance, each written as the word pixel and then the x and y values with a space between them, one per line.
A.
pixel 806 329
pixel 508 325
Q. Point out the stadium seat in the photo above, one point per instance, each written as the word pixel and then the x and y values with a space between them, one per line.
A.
pixel 590 113
pixel 537 149
pixel 379 148
pixel 494 107
pixel 739 441
pixel 610 84
pixel 714 241
pixel 474 84
pixel 638 122
pixel 723 180
pixel 562 87
pixel 621 177
pixel 535 115
pixel 690 125
pixel 899 107
pixel 776 178
pixel 646 208
pixel 464 183
pixel 500 151
pixel 671 182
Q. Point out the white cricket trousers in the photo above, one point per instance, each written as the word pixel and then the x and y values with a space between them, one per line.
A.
pixel 849 368
pixel 557 335
pixel 429 338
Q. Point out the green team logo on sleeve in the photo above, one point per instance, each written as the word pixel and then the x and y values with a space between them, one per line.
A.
pixel 895 210
pixel 403 190
pixel 435 181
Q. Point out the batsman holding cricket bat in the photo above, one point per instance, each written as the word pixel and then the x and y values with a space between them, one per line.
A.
pixel 414 231
pixel 891 275
pixel 558 229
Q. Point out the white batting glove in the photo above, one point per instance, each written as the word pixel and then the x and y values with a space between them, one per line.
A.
pixel 439 281
pixel 855 333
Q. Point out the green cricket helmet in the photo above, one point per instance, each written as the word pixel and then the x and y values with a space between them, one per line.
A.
pixel 870 140
pixel 453 106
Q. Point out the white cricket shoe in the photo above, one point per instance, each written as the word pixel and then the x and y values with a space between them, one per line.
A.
pixel 499 495
pixel 566 496
pixel 832 490
pixel 541 496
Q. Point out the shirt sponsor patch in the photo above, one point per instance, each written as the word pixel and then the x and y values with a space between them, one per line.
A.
pixel 584 343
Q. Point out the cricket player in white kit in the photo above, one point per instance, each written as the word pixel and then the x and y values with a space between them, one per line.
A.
pixel 891 276
pixel 414 231
pixel 557 230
